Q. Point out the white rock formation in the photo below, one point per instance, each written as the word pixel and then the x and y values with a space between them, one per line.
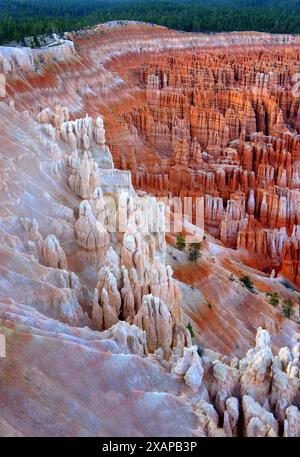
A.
pixel 90 233
pixel 155 318
pixel 85 178
pixel 256 368
pixel 190 367
pixel 52 253
pixel 257 421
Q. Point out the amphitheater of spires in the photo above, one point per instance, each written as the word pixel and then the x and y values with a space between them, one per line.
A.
pixel 200 119
pixel 230 131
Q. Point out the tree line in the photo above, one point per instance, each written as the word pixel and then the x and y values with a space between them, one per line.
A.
pixel 20 18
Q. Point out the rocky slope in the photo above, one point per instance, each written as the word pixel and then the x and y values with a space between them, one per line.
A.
pixel 95 320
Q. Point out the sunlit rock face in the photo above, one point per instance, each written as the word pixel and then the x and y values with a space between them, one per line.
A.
pixel 94 308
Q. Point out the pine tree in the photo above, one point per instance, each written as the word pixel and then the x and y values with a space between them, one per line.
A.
pixel 274 299
pixel 287 308
pixel 180 242
pixel 191 330
pixel 247 282
pixel 194 252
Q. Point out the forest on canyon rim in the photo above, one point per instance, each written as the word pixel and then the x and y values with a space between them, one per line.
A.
pixel 20 18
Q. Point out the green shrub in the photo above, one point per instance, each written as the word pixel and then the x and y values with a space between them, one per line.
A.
pixel 194 251
pixel 191 330
pixel 274 299
pixel 247 282
pixel 287 308
pixel 180 242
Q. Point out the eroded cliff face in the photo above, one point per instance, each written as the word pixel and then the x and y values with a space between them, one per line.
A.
pixel 91 133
